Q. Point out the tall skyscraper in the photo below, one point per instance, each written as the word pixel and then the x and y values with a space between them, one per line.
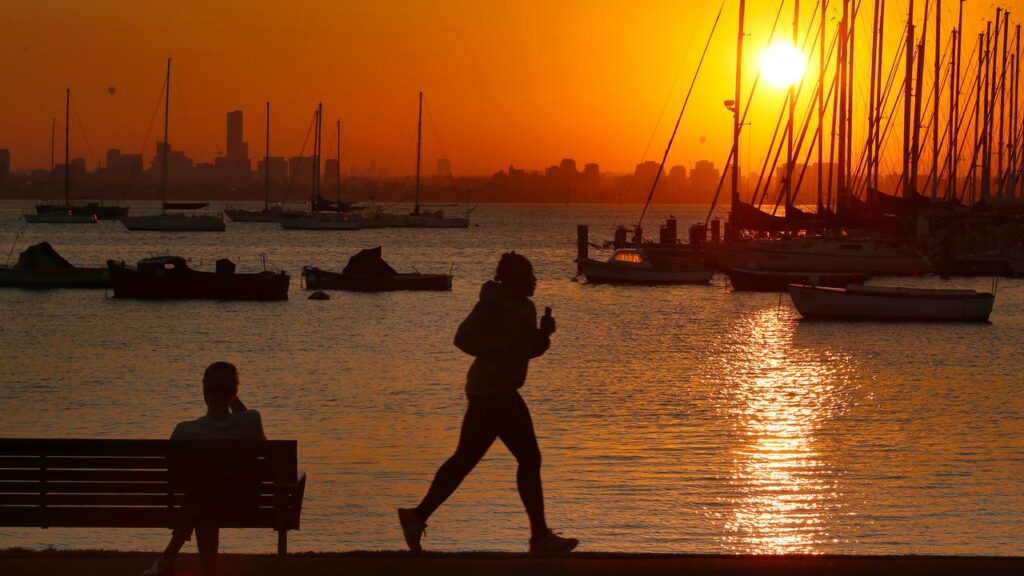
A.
pixel 237 149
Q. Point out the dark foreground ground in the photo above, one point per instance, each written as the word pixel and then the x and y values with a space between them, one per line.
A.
pixel 97 563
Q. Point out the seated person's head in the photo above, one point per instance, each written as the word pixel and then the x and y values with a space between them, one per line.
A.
pixel 220 384
pixel 516 272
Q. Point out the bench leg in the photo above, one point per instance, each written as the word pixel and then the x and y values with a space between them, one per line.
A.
pixel 282 551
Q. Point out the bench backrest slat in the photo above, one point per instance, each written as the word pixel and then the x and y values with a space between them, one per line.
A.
pixel 78 482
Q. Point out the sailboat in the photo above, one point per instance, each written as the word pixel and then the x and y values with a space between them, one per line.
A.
pixel 435 218
pixel 268 213
pixel 171 221
pixel 65 216
pixel 316 219
pixel 845 250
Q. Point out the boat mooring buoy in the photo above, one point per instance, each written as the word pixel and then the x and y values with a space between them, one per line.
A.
pixel 319 295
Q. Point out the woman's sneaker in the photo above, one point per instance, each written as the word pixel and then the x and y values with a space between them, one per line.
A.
pixel 412 528
pixel 161 567
pixel 552 543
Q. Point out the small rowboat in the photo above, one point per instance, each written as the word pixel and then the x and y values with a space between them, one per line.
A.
pixel 747 280
pixel 891 303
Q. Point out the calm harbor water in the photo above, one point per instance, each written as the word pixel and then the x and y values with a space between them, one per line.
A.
pixel 672 419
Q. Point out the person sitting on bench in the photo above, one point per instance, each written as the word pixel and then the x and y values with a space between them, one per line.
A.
pixel 226 419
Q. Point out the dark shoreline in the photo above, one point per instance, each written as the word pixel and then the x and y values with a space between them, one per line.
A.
pixel 17 562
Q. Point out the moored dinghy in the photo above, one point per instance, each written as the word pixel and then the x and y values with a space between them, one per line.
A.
pixel 891 303
pixel 170 278
pixel 750 280
pixel 40 266
pixel 634 266
pixel 368 272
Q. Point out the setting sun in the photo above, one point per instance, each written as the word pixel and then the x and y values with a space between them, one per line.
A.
pixel 782 65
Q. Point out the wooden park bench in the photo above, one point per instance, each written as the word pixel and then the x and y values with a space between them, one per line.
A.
pixel 151 484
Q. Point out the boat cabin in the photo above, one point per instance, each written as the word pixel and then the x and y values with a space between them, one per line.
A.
pixel 629 256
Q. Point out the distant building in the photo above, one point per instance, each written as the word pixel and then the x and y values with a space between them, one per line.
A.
pixel 179 166
pixel 237 149
pixel 78 168
pixel 645 174
pixel 329 177
pixel 300 174
pixel 568 167
pixel 278 171
pixel 5 169
pixel 703 181
pixel 234 169
pixel 122 169
pixel 590 180
pixel 444 169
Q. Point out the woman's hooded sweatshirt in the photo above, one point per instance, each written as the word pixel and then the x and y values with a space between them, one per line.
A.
pixel 501 332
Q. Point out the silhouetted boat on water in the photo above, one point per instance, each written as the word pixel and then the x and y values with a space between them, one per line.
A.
pixel 747 280
pixel 368 272
pixel 170 278
pixel 638 265
pixel 62 214
pixel 173 222
pixel 891 303
pixel 40 266
pixel 323 214
pixel 100 211
pixel 185 205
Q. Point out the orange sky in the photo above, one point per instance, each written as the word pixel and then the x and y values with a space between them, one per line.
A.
pixel 522 82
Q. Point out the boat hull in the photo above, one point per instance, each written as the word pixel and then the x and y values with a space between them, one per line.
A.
pixel 254 215
pixel 761 281
pixel 55 278
pixel 60 218
pixel 174 223
pixel 603 272
pixel 194 285
pixel 828 256
pixel 878 303
pixel 317 279
pixel 435 221
pixel 325 222
pixel 100 211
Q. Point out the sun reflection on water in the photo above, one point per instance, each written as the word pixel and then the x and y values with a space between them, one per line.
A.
pixel 781 398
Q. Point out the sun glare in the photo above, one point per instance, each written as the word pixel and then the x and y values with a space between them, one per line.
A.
pixel 782 65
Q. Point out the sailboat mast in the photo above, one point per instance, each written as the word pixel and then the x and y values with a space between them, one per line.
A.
pixel 872 119
pixel 951 123
pixel 915 151
pixel 167 145
pixel 53 143
pixel 1015 144
pixel 792 113
pixel 877 142
pixel 935 106
pixel 821 102
pixel 419 141
pixel 977 118
pixel 841 71
pixel 266 166
pixel 1002 102
pixel 337 169
pixel 955 120
pixel 986 150
pixel 67 149
pixel 736 119
pixel 907 99
pixel 316 159
pixel 851 31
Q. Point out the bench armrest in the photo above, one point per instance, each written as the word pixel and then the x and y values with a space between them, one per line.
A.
pixel 300 491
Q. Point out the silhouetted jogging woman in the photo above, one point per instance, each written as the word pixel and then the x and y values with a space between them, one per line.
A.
pixel 502 334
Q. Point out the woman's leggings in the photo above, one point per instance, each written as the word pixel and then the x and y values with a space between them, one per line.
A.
pixel 488 417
